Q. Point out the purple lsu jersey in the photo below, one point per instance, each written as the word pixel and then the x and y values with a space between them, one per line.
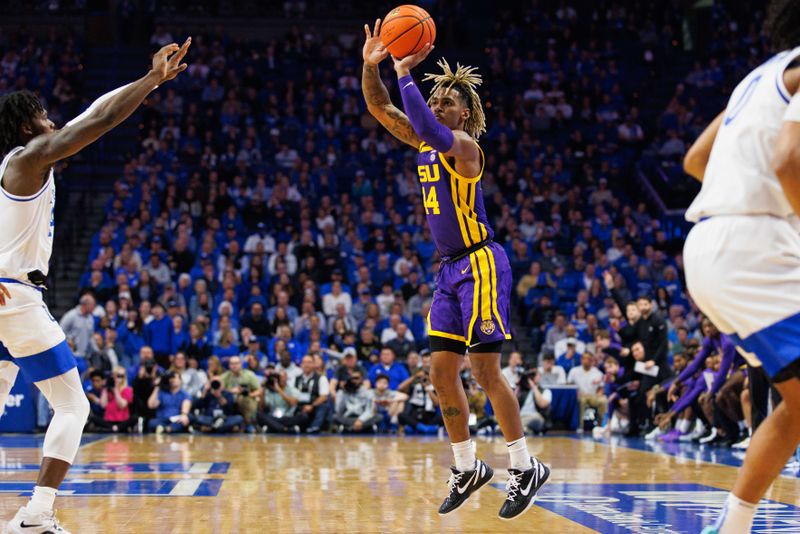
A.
pixel 472 301
pixel 453 204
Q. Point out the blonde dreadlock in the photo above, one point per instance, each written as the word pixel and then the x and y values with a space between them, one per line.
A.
pixel 467 80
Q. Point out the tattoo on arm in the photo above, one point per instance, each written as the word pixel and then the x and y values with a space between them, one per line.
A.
pixel 375 93
pixel 381 107
pixel 401 127
pixel 450 412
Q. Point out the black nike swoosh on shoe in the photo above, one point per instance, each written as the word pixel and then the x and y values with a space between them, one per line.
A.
pixel 23 525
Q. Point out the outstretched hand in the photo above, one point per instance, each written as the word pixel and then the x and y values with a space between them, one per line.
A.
pixel 403 66
pixel 167 61
pixel 374 52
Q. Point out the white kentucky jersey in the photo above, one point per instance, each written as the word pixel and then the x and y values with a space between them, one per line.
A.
pixel 738 179
pixel 26 228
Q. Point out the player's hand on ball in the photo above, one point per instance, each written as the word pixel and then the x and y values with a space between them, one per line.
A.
pixel 404 65
pixel 167 61
pixel 374 51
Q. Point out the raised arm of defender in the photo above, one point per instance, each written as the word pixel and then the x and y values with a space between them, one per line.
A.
pixel 377 97
pixel 22 177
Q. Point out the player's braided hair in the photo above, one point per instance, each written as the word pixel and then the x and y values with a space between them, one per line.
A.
pixel 464 80
pixel 16 109
pixel 783 23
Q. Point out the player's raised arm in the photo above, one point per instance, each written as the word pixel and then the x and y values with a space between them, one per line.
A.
pixel 454 143
pixel 696 159
pixel 377 97
pixel 44 150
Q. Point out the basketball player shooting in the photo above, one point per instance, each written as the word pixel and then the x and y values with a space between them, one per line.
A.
pixel 29 336
pixel 470 308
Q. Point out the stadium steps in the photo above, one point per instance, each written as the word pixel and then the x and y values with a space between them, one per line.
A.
pixel 107 68
pixel 74 235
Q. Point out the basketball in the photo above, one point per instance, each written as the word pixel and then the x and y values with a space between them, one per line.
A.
pixel 406 29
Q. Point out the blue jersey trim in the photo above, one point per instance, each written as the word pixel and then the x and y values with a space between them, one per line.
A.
pixel 15 198
pixel 777 346
pixel 785 97
pixel 20 282
pixel 47 364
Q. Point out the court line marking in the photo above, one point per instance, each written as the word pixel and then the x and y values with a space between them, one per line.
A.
pixel 680 454
pixel 201 468
pixel 185 488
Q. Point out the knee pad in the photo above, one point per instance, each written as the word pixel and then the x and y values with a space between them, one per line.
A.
pixel 71 410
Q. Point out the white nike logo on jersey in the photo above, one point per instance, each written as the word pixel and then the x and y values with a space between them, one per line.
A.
pixel 465 270
pixel 473 478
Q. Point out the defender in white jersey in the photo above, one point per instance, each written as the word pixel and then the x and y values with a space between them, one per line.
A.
pixel 31 340
pixel 742 258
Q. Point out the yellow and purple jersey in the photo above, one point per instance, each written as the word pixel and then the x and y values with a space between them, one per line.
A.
pixel 453 203
pixel 472 301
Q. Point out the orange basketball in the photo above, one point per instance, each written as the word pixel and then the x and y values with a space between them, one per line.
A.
pixel 406 29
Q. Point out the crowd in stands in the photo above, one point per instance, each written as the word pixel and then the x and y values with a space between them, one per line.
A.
pixel 264 262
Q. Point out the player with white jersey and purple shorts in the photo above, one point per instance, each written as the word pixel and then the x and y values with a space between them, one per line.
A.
pixel 470 309
pixel 31 341
pixel 742 258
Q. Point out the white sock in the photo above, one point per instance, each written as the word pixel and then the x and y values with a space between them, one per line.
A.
pixel 742 424
pixel 737 516
pixel 41 501
pixel 682 426
pixel 518 454
pixel 464 453
pixel 700 427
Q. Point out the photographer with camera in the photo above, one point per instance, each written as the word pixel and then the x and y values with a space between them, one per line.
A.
pixel 314 394
pixel 346 368
pixel 277 409
pixel 420 413
pixel 355 406
pixel 534 401
pixel 171 403
pixel 145 374
pixel 215 410
pixel 116 399
pixel 243 385
pixel 513 371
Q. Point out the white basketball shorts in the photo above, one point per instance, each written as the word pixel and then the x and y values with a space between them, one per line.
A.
pixel 743 272
pixel 31 336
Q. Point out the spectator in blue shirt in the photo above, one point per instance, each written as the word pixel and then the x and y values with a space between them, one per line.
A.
pixel 171 403
pixel 158 334
pixel 387 365
pixel 93 392
pixel 180 334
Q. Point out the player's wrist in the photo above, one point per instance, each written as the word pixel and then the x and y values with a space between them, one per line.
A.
pixel 154 77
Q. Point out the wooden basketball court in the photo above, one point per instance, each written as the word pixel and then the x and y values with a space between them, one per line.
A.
pixel 237 484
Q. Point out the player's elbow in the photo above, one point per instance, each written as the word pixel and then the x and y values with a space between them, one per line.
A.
pixel 694 163
pixel 785 161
